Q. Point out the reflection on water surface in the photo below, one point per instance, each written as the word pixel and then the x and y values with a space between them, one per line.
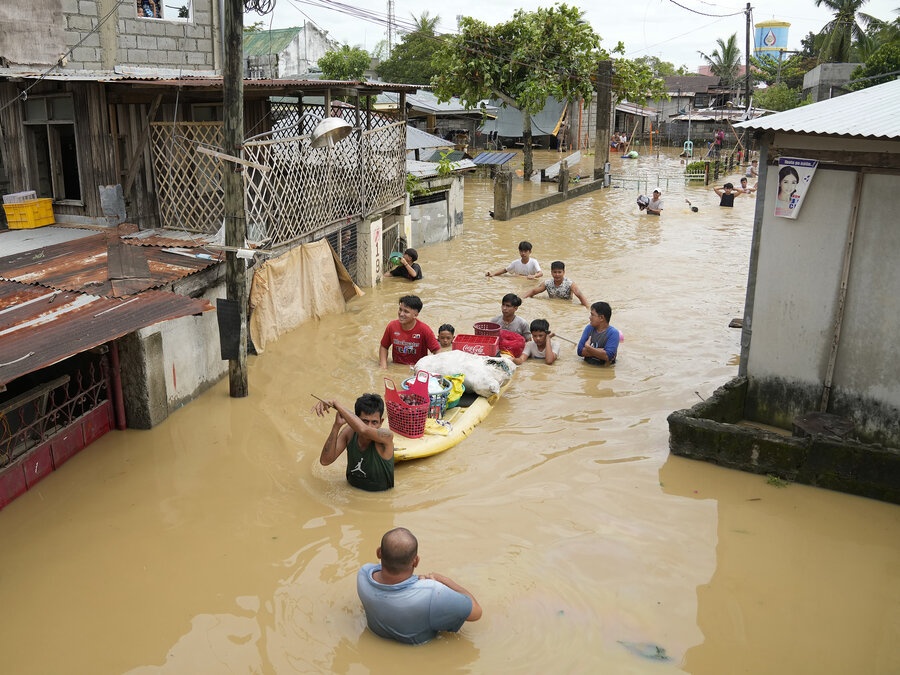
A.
pixel 216 543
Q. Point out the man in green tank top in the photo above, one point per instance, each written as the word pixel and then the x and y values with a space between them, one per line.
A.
pixel 370 449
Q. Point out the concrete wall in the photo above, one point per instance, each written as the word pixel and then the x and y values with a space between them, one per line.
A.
pixel 797 294
pixel 40 32
pixel 166 365
pixel 827 79
pixel 438 221
pixel 304 52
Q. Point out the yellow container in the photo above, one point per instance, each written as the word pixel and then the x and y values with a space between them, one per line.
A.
pixel 26 215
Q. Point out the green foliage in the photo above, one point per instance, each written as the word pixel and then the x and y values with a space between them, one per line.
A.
pixel 522 62
pixel 414 186
pixel 257 27
pixel 779 97
pixel 347 63
pixel 411 61
pixel 662 68
pixel 839 34
pixel 775 481
pixel 445 166
pixel 695 167
pixel 725 60
pixel 766 69
pixel 886 59
pixel 636 81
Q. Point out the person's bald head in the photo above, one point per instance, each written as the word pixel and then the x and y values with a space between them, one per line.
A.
pixel 399 551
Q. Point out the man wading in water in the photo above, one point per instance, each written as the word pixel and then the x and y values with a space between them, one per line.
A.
pixel 370 449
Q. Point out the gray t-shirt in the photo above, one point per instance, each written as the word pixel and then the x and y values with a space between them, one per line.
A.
pixel 517 325
pixel 412 611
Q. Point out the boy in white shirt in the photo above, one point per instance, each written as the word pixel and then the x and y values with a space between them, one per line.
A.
pixel 526 266
pixel 541 346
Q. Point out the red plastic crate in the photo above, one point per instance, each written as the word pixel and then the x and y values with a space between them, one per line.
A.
pixel 483 345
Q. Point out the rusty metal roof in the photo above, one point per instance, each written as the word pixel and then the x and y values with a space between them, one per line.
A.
pixel 83 265
pixel 40 327
pixel 171 238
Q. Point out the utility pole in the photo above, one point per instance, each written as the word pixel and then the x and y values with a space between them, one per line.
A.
pixel 233 187
pixel 747 62
pixel 604 104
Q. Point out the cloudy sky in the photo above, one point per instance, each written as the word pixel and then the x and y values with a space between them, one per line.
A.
pixel 662 28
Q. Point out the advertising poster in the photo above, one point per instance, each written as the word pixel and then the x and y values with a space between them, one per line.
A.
pixel 794 178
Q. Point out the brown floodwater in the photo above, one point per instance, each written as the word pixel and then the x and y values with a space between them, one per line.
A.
pixel 215 543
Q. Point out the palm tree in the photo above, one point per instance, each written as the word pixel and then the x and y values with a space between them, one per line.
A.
pixel 425 23
pixel 725 60
pixel 847 25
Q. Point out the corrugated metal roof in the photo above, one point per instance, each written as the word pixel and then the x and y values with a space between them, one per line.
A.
pixel 430 169
pixel 170 238
pixel 424 101
pixel 416 139
pixel 40 327
pixel 261 43
pixel 82 265
pixel 636 109
pixel 451 156
pixel 497 158
pixel 868 113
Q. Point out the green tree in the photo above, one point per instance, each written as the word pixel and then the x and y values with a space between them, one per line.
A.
pixel 839 34
pixel 779 97
pixel 886 59
pixel 411 61
pixel 662 68
pixel 257 27
pixel 635 81
pixel 347 63
pixel 789 71
pixel 522 62
pixel 725 60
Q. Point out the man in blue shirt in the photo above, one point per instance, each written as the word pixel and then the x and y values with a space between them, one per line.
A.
pixel 410 607
pixel 599 342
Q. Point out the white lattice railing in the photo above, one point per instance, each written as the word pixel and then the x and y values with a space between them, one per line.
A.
pixel 304 190
pixel 188 183
pixel 384 156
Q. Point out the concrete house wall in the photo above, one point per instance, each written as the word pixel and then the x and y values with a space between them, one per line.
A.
pixel 797 288
pixel 41 32
pixel 438 221
pixel 304 51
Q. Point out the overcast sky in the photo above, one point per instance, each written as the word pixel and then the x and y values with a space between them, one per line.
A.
pixel 647 27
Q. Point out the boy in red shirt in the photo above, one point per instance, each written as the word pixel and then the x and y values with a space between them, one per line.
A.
pixel 408 338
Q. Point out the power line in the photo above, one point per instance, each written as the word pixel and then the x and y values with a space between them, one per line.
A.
pixel 718 16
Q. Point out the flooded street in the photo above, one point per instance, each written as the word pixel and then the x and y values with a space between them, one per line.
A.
pixel 216 543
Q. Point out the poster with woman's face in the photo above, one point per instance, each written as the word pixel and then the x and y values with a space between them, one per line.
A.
pixel 794 178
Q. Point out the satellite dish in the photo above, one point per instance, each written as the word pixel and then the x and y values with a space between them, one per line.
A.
pixel 329 131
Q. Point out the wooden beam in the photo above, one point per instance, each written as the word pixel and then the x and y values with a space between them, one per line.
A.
pixel 142 145
pixel 841 159
pixel 231 158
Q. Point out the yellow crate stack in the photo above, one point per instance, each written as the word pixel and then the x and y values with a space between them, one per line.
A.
pixel 29 214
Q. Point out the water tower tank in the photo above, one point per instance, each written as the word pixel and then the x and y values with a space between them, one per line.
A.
pixel 770 38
